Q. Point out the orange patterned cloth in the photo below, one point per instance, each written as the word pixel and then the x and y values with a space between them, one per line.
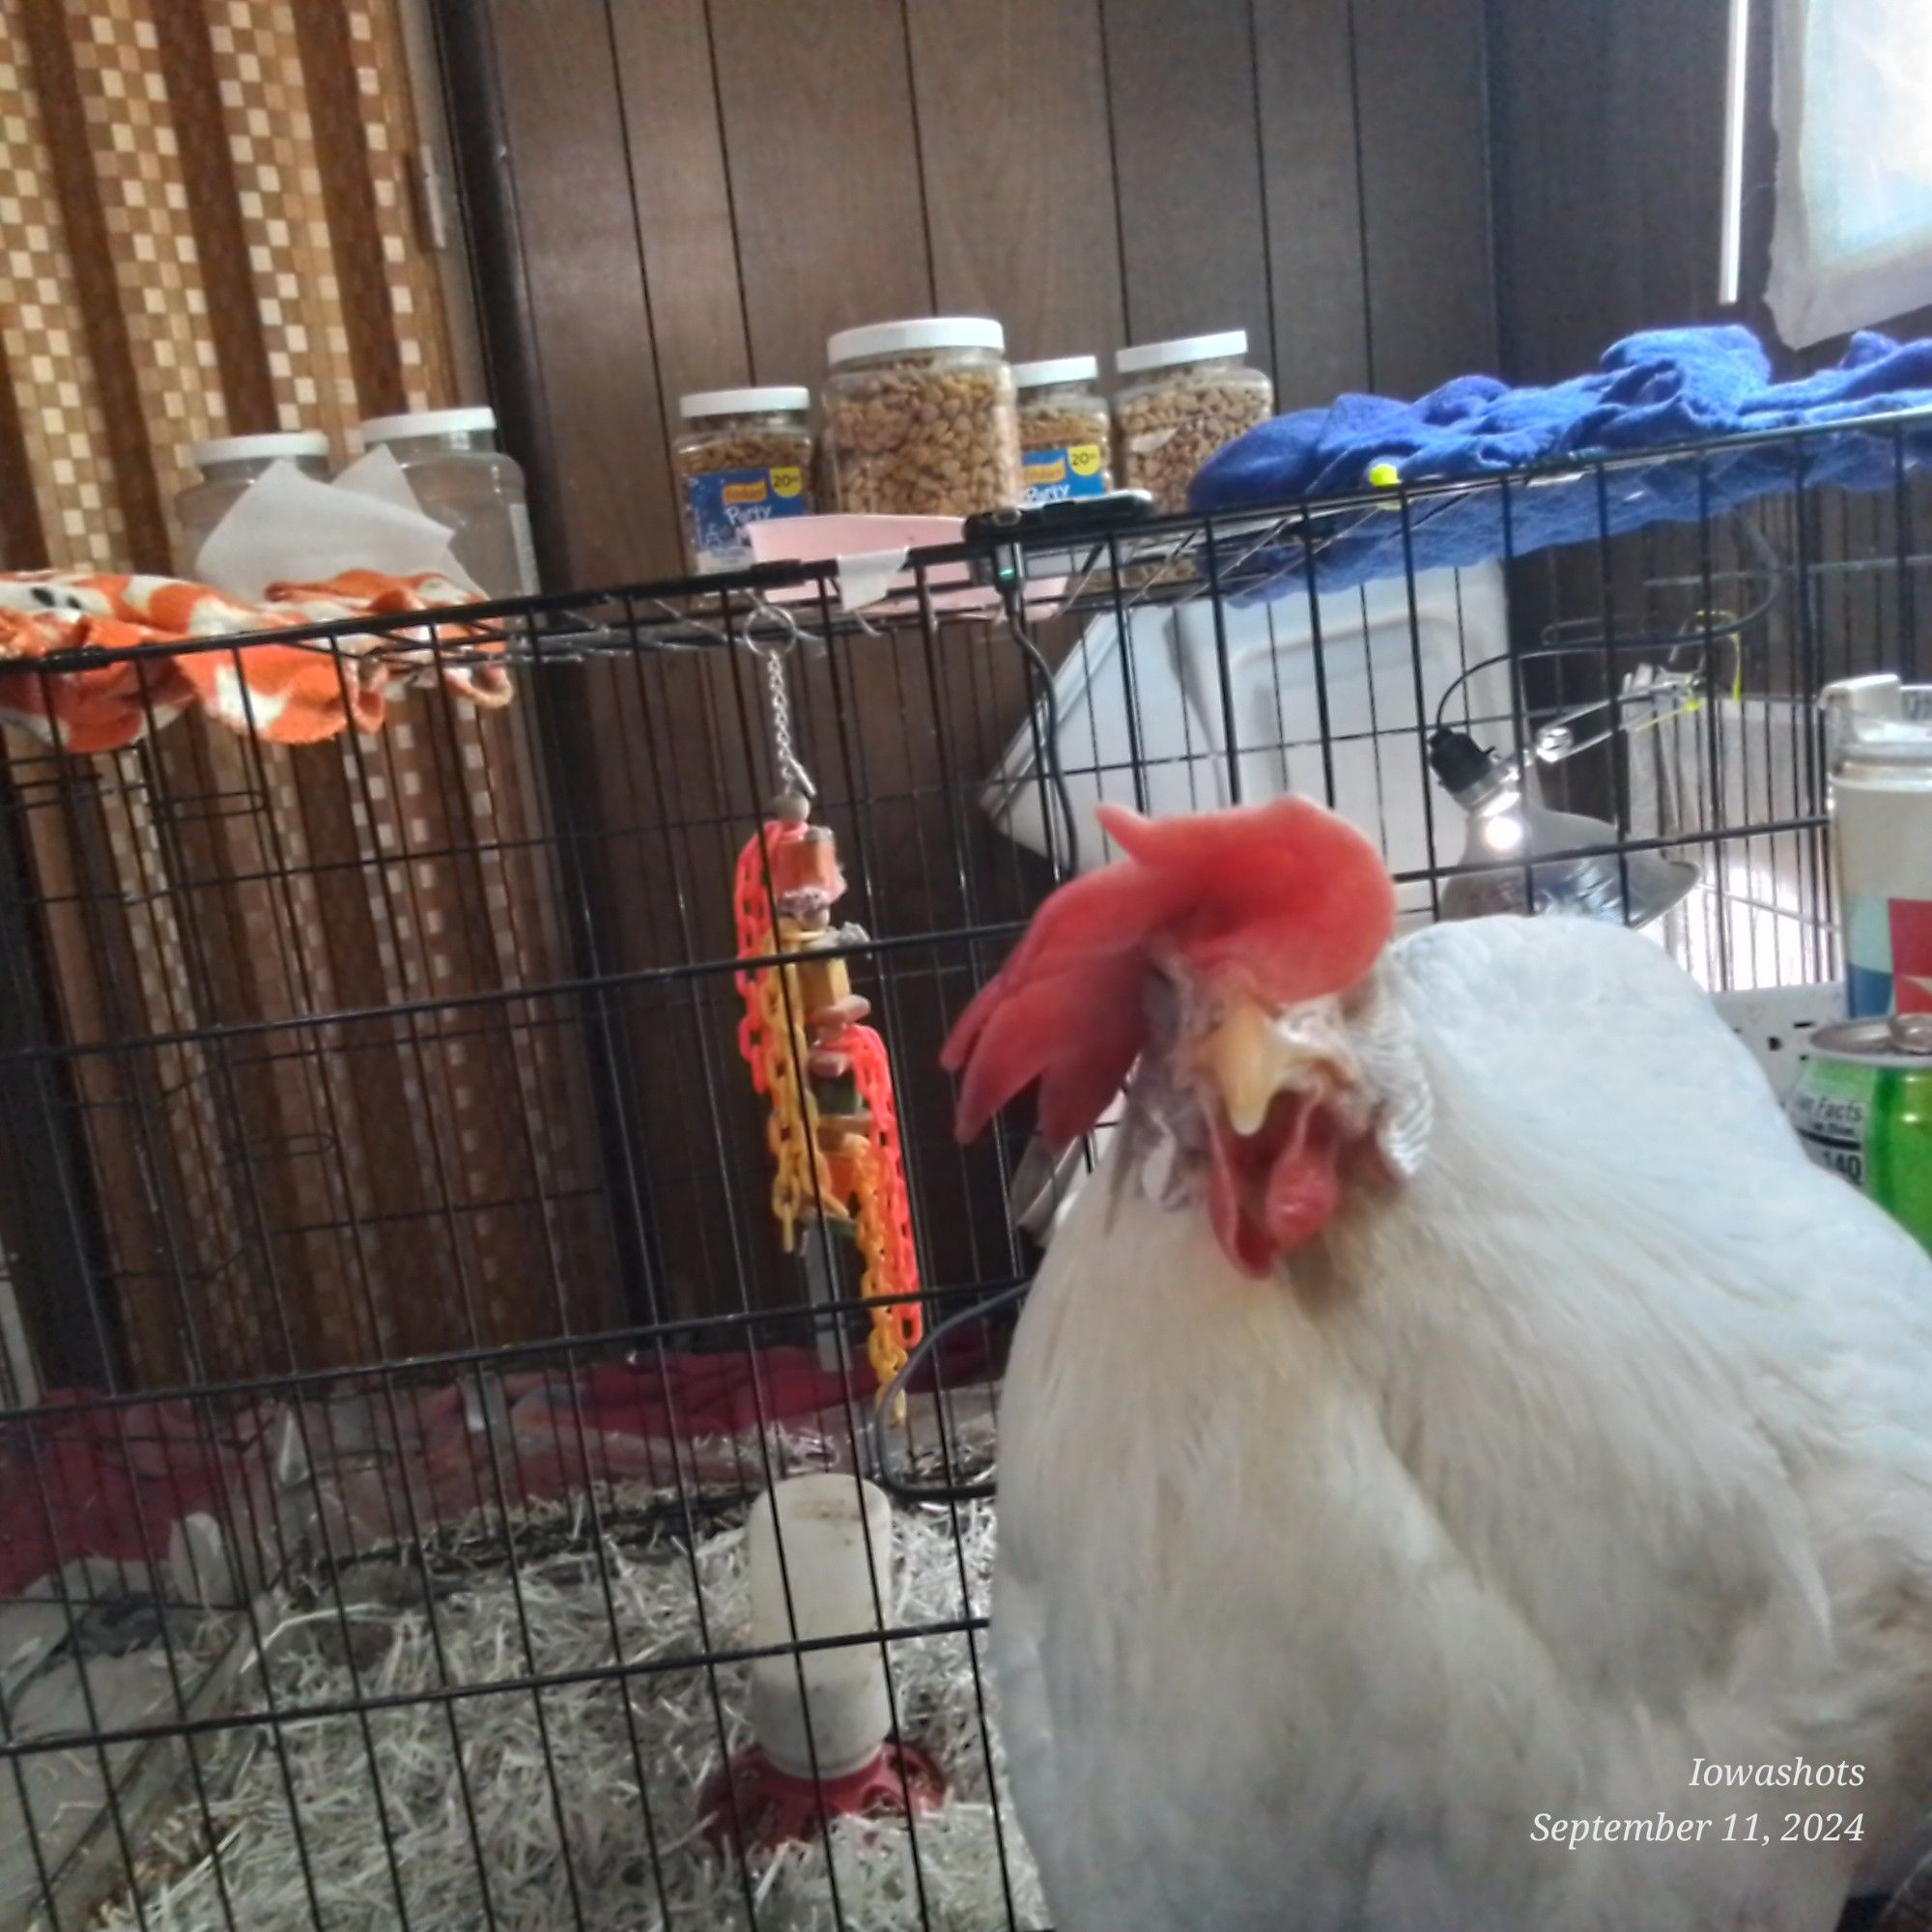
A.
pixel 290 694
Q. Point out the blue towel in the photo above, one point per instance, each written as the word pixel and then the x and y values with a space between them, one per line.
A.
pixel 1664 387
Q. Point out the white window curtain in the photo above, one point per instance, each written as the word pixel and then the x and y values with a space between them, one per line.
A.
pixel 1852 100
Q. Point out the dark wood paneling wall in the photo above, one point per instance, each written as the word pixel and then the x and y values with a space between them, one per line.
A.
pixel 1187 169
pixel 821 145
pixel 1310 182
pixel 1608 145
pixel 698 192
pixel 598 411
pixel 1425 190
pixel 669 195
pixel 1607 137
pixel 1000 91
pixel 682 202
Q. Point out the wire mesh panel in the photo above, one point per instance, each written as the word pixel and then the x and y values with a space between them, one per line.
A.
pixel 407 1313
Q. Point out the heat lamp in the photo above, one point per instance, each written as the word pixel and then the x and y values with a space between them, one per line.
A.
pixel 1523 842
pixel 819 1555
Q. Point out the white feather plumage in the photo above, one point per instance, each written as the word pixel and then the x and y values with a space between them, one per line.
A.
pixel 1603 1445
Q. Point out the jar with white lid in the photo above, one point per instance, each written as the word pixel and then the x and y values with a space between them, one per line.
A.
pixel 743 457
pixel 464 481
pixel 919 419
pixel 1180 402
pixel 1878 752
pixel 1067 444
pixel 229 465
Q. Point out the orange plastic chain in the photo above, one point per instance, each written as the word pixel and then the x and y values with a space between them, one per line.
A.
pixel 772 1049
pixel 861 1183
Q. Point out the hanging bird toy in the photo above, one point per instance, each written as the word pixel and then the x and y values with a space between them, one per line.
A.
pixel 833 1130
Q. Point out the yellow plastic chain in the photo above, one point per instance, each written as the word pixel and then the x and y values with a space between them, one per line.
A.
pixel 873 1231
pixel 801 1180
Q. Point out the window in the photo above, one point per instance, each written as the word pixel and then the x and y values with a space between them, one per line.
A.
pixel 1852 100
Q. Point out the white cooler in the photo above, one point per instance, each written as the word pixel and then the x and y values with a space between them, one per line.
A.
pixel 1374 651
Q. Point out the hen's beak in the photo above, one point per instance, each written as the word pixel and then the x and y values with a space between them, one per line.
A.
pixel 1241 1057
pixel 1275 1137
pixel 1248 1057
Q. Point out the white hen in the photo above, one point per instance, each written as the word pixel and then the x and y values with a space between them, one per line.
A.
pixel 1572 1440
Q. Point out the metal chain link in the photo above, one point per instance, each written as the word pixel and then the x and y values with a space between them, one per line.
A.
pixel 792 775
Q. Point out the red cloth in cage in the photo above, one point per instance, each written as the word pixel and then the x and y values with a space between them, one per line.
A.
pixel 82 1477
pixel 85 1476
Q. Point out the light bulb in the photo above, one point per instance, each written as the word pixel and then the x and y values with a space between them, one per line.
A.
pixel 1566 864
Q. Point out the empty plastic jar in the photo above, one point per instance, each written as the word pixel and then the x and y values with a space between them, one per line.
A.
pixel 228 465
pixel 743 457
pixel 1066 444
pixel 1184 399
pixel 464 481
pixel 919 419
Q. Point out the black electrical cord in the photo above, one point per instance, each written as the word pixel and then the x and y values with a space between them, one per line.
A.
pixel 884 1464
pixel 1547 647
pixel 1598 647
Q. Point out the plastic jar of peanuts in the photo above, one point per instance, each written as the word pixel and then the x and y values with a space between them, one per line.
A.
pixel 743 457
pixel 1066 440
pixel 1180 402
pixel 919 419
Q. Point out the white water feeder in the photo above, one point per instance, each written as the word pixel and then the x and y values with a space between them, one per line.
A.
pixel 819 1558
pixel 819 1568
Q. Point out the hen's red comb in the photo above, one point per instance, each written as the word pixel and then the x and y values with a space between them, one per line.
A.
pixel 1284 900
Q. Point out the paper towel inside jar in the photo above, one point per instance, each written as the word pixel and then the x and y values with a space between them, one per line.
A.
pixel 290 529
pixel 377 473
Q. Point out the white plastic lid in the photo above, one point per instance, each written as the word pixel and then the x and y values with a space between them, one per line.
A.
pixel 743 402
pixel 1182 349
pixel 1059 369
pixel 928 331
pixel 428 422
pixel 1877 720
pixel 263 448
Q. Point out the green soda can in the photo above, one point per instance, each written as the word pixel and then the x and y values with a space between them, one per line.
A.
pixel 1863 1106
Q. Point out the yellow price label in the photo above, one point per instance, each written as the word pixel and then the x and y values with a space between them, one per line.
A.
pixel 1085 459
pixel 787 480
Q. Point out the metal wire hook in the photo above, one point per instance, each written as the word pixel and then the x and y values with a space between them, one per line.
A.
pixel 792 776
pixel 790 634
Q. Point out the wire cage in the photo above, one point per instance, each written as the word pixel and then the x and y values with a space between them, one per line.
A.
pixel 398 1333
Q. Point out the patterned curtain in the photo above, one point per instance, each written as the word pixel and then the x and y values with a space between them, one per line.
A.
pixel 206 227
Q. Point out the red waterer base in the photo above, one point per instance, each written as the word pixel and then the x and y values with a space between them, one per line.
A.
pixel 774 1808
